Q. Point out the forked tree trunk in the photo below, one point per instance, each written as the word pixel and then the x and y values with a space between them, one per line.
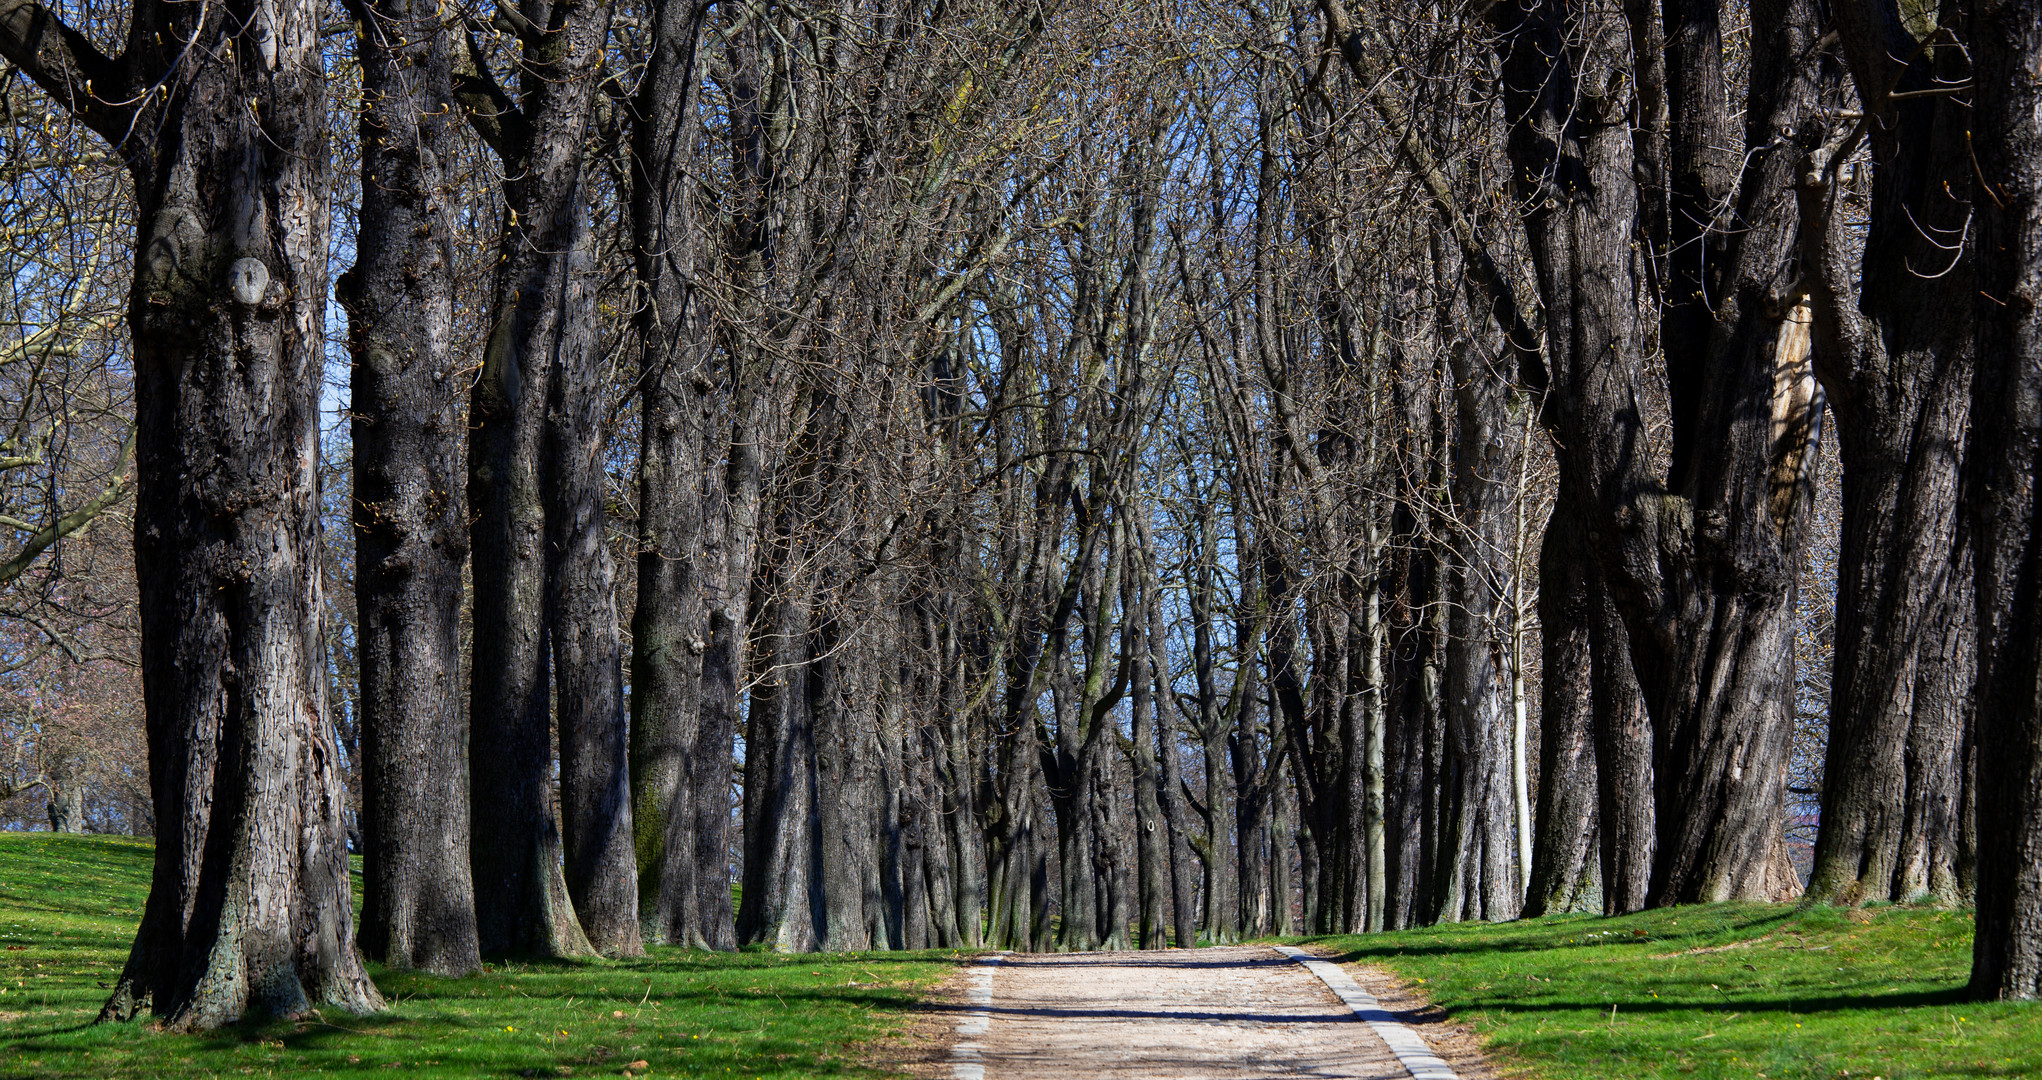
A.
pixel 2006 50
pixel 521 894
pixel 248 910
pixel 680 735
pixel 411 535
pixel 1702 565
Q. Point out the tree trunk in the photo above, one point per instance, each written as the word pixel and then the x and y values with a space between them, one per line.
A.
pixel 521 894
pixel 1152 834
pixel 64 797
pixel 1218 920
pixel 1895 355
pixel 1373 814
pixel 688 631
pixel 1564 852
pixel 1701 566
pixel 779 780
pixel 1711 623
pixel 1183 884
pixel 581 609
pixel 1478 876
pixel 411 536
pixel 1626 814
pixel 2005 45
pixel 248 910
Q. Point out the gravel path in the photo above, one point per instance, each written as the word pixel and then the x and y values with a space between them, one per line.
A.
pixel 1209 1014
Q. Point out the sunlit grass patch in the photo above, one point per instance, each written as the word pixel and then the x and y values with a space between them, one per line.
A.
pixel 69 905
pixel 1730 990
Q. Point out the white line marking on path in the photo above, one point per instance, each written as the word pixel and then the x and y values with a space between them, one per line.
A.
pixel 979 993
pixel 1417 1058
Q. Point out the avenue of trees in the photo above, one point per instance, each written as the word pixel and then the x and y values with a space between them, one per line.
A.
pixel 1030 475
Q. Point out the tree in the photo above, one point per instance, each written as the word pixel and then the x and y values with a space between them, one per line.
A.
pixel 248 908
pixel 1894 351
pixel 545 617
pixel 411 529
pixel 688 634
pixel 1700 561
pixel 2005 44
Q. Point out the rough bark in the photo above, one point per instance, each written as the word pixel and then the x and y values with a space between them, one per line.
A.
pixel 521 893
pixel 1476 872
pixel 1564 845
pixel 1894 352
pixel 248 910
pixel 1702 564
pixel 1627 815
pixel 411 536
pixel 1169 770
pixel 779 791
pixel 581 612
pixel 2005 44
pixel 687 634
pixel 1153 835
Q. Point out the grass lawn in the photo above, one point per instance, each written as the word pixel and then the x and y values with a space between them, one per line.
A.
pixel 1734 990
pixel 68 909
pixel 1747 991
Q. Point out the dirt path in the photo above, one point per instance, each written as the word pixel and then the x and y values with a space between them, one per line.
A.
pixel 1209 1014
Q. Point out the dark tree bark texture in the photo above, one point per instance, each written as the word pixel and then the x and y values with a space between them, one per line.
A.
pixel 2006 49
pixel 411 536
pixel 681 735
pixel 1894 352
pixel 522 898
pixel 248 911
pixel 1564 856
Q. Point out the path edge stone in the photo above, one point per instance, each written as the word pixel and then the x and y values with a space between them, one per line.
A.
pixel 1410 1048
pixel 964 1056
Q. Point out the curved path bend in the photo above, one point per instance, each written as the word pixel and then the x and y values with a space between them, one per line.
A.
pixel 1208 1014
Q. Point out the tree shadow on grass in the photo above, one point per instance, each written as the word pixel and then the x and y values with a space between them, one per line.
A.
pixel 1537 938
pixel 1791 1005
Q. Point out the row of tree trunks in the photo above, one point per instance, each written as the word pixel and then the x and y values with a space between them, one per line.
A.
pixel 896 743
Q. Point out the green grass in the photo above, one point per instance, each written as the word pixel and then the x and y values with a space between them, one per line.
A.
pixel 1734 990
pixel 1742 991
pixel 68 909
